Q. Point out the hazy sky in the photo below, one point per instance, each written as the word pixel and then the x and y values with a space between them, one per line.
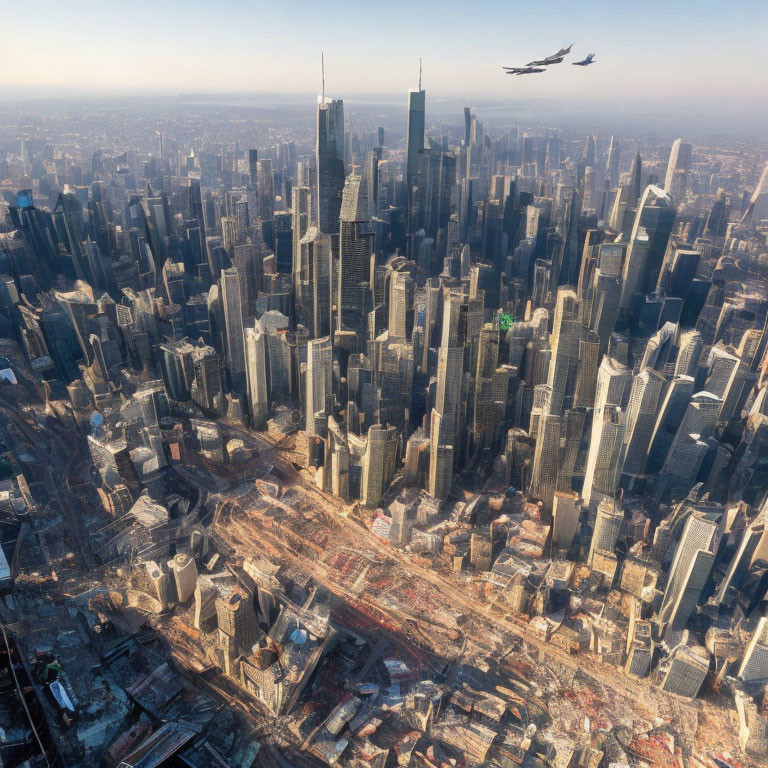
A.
pixel 647 50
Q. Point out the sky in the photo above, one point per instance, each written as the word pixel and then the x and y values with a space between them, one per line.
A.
pixel 686 52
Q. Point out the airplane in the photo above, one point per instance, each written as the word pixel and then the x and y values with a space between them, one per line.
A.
pixel 590 59
pixel 523 70
pixel 555 58
pixel 561 52
pixel 545 62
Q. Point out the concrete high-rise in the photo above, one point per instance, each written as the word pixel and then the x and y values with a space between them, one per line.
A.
pixel 608 521
pixel 754 662
pixel 449 379
pixel 690 347
pixel 301 220
pixel 319 384
pixel 683 672
pixel 206 386
pixel 256 376
pixel 738 568
pixel 673 407
pixel 546 459
pixel 378 463
pixel 690 568
pixel 601 476
pixel 722 369
pixel 678 168
pixel 644 399
pixel 401 296
pixel 647 244
pixel 566 509
pixel 627 195
pixel 683 601
pixel 612 165
pixel 690 445
pixel 606 443
pixel 567 331
pixel 312 282
pixel 445 421
pixel 759 193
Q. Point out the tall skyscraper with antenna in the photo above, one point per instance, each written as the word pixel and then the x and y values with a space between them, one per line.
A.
pixel 330 160
pixel 414 151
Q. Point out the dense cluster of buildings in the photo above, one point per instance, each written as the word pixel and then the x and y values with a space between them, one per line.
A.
pixel 534 359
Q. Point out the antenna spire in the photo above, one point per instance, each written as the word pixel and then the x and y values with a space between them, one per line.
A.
pixel 419 72
pixel 322 66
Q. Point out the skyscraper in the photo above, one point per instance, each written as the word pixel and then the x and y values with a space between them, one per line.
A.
pixel 612 165
pixel 566 334
pixel 449 378
pixel 601 476
pixel 647 244
pixel 676 179
pixel 690 569
pixel 690 347
pixel 644 399
pixel 760 190
pixel 546 459
pixel 330 163
pixel 699 419
pixel 683 601
pixel 722 369
pixel 683 672
pixel 353 299
pixel 608 522
pixel 608 426
pixel 378 463
pixel 177 368
pixel 401 296
pixel 754 663
pixel 565 516
pixel 414 148
pixel 300 223
pixel 670 415
pixel 738 568
pixel 256 376
pixel 319 384
pixel 441 456
pixel 312 281
pixel 253 159
pixel 717 220
pixel 206 387
pixel 623 210
pixel 233 319
pixel 445 428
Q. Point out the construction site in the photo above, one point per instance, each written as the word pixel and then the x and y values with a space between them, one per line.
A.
pixel 236 615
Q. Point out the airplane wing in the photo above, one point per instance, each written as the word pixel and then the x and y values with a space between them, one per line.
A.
pixel 554 59
pixel 526 70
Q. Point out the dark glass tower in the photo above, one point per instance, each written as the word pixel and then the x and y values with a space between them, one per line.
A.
pixel 330 163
